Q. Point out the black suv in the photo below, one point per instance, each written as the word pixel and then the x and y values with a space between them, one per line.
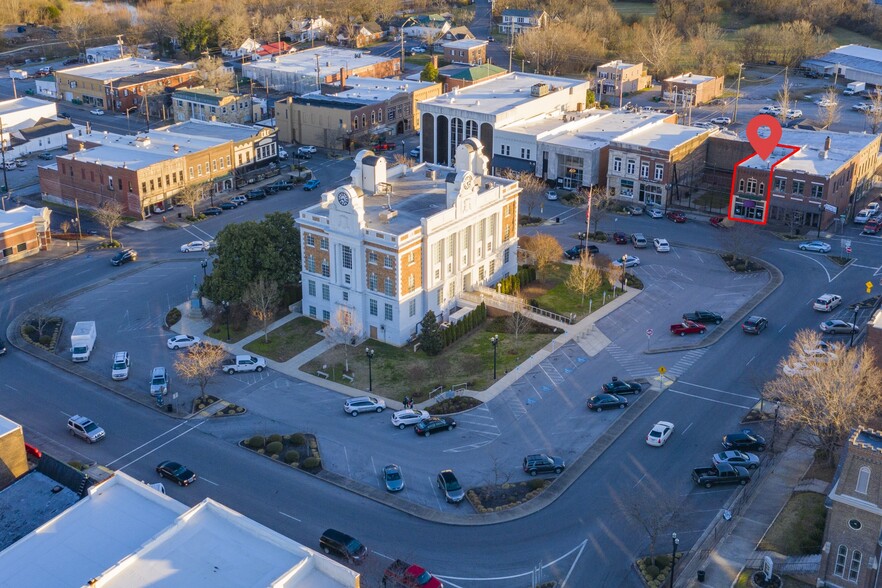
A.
pixel 755 325
pixel 575 252
pixel 343 546
pixel 256 194
pixel 543 464
pixel 124 256
pixel 745 440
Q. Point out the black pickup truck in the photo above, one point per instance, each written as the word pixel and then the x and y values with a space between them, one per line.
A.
pixel 703 316
pixel 721 474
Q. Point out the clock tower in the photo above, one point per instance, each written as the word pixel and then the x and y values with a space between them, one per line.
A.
pixel 346 209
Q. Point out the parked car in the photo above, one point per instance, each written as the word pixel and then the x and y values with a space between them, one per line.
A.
pixel 124 256
pixel 228 205
pixel 660 433
pixel 239 200
pixel 737 458
pixel 754 325
pixel 617 386
pixel 302 155
pixel 862 216
pixel 601 401
pixel 392 478
pixel 717 222
pixel 838 327
pixel 655 213
pixel 688 328
pixel 84 428
pixel 620 238
pixel 703 316
pixel 46 156
pixel 21 162
pixel 311 185
pixel 634 210
pixel 794 114
pixel 630 261
pixel 721 120
pixel 256 194
pixel 71 61
pixel 408 416
pixel 308 149
pixel 817 246
pixel 176 473
pixel 825 103
pixel 358 404
pixel 433 425
pixel 827 302
pixel 575 252
pixel 120 369
pixel 388 146
pixel 743 440
pixel 706 125
pixel 196 246
pixel 97 112
pixel 872 227
pixel 721 474
pixel 661 245
pixel 212 211
pixel 774 110
pixel 415 153
pixel 677 216
pixel 540 463
pixel 180 341
pixel 638 240
pixel 333 542
pixel 551 195
pixel 451 487
pixel 159 381
pixel 281 185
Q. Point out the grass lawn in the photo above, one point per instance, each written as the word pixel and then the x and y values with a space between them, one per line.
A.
pixel 743 581
pixel 399 371
pixel 712 200
pixel 799 529
pixel 846 37
pixel 237 332
pixel 420 59
pixel 552 293
pixel 288 340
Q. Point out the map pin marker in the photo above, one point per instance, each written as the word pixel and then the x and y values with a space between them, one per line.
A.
pixel 763 145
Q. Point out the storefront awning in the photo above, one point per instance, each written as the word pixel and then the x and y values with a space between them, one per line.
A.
pixel 513 163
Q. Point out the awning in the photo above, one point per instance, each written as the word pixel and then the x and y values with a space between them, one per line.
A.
pixel 513 163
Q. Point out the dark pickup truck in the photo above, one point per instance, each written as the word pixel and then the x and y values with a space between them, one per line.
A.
pixel 703 316
pixel 400 573
pixel 722 474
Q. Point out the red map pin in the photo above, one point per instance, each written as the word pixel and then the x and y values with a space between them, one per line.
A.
pixel 763 145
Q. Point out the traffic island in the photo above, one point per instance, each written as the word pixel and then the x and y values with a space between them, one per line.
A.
pixel 499 497
pixel 740 264
pixel 299 450
pixel 654 571
pixel 42 331
pixel 212 406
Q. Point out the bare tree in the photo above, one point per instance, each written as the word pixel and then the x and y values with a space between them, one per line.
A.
pixel 75 24
pixel 400 159
pixel 64 226
pixel 262 299
pixel 213 74
pixel 532 189
pixel 42 314
pixel 109 215
pixel 501 471
pixel 740 241
pixel 601 200
pixel 584 277
pixel 828 111
pixel 784 98
pixel 200 364
pixel 343 330
pixel 825 391
pixel 233 28
pixel 874 112
pixel 658 43
pixel 543 249
pixel 190 195
pixel 518 322
pixel 652 509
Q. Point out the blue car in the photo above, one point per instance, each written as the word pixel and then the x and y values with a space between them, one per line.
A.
pixel 392 478
pixel 311 185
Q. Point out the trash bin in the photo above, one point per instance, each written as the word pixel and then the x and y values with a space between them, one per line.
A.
pixel 169 408
pixel 557 219
pixel 180 215
pixel 700 575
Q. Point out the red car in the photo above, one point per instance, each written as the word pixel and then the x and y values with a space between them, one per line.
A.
pixel 384 146
pixel 688 327
pixel 872 227
pixel 717 221
pixel 620 238
pixel 677 216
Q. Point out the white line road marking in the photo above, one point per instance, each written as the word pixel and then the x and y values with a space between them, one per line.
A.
pixel 811 257
pixel 683 434
pixel 11 387
pixel 157 448
pixel 284 514
pixel 580 548
pixel 640 480
pixel 209 481
pixel 719 390
pixel 383 555
pixel 782 327
pixel 749 360
pixel 708 399
pixel 148 443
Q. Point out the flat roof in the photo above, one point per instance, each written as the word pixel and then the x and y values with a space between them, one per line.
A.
pixel 28 503
pixel 843 147
pixel 202 93
pixel 588 129
pixel 16 217
pixel 663 136
pixel 331 59
pixel 7 425
pixel 118 68
pixel 464 44
pixel 501 94
pixel 207 129
pixel 23 103
pixel 867 437
pixel 618 64
pixel 690 78
pixel 370 90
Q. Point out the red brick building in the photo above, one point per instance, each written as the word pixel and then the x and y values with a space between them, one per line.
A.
pixel 24 231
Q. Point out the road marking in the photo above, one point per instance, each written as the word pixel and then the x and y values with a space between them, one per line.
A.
pixel 157 448
pixel 11 387
pixel 683 434
pixel 382 555
pixel 209 481
pixel 782 327
pixel 284 514
pixel 147 443
pixel 638 481
pixel 811 257
pixel 709 399
pixel 719 390
pixel 749 360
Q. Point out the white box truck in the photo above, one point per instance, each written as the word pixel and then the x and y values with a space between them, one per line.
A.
pixel 18 74
pixel 82 340
pixel 854 88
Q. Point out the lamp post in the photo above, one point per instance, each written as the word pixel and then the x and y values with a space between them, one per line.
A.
pixel 5 180
pixel 854 326
pixel 370 355
pixel 624 270
pixel 204 270
pixel 775 424
pixel 582 238
pixel 820 216
pixel 674 543
pixel 494 340
pixel 227 312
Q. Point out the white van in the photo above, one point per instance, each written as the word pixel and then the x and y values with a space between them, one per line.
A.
pixel 18 74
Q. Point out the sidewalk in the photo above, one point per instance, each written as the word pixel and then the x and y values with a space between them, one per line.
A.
pixel 724 561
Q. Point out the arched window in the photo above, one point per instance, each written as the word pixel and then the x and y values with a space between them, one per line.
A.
pixel 855 568
pixel 863 480
pixel 471 129
pixel 373 118
pixel 372 282
pixel 762 189
pixel 841 558
pixel 741 185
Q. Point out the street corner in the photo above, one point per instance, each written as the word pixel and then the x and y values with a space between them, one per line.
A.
pixel 661 382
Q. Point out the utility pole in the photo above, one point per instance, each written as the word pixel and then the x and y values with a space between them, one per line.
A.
pixel 3 153
pixel 737 93
pixel 401 38
pixel 119 42
pixel 318 85
pixel 510 44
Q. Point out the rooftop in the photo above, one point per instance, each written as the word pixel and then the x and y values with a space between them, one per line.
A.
pixel 662 136
pixel 203 94
pixel 501 94
pixel 810 147
pixel 118 68
pixel 7 425
pixel 867 438
pixel 690 78
pixel 855 57
pixel 149 76
pixel 210 130
pixel 23 103
pixel 16 217
pixel 464 44
pixel 520 12
pixel 618 64
pixel 373 90
pixel 330 59
pixel 28 503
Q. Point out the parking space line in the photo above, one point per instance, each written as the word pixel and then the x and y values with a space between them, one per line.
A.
pixel 718 390
pixel 683 433
pixel 209 481
pixel 284 514
pixel 708 399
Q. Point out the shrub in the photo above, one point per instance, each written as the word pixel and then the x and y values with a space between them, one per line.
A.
pixel 652 571
pixel 662 561
pixel 311 463
pixel 256 442
pixel 45 340
pixel 292 457
pixel 298 439
pixel 535 484
pixel 274 447
pixel 30 331
pixel 173 316
pixel 274 439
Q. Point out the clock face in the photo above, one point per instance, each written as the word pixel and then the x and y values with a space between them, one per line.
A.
pixel 467 182
pixel 343 197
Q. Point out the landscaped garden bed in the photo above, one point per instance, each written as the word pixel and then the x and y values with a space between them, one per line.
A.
pixel 739 264
pixel 499 497
pixel 42 331
pixel 655 570
pixel 454 405
pixel 228 409
pixel 298 450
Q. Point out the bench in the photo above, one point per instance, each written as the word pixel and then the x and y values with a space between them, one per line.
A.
pixel 348 378
pixel 322 374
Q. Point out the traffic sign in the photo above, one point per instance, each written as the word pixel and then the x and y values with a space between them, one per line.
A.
pixel 662 369
pixel 848 249
pixel 649 332
pixel 846 243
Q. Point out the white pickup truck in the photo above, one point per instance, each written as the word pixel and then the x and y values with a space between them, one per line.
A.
pixel 244 363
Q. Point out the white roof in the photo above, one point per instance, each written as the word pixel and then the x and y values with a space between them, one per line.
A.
pixel 125 533
pixel 118 68
pixel 662 136
pixel 138 151
pixel 7 425
pixel 690 79
pixel 810 144
pixel 373 89
pixel 331 59
pixel 17 217
pixel 464 44
pixel 23 103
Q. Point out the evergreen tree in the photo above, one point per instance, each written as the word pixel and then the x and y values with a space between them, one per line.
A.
pixel 430 335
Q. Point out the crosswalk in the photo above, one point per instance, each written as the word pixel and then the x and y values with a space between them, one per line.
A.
pixel 684 363
pixel 634 364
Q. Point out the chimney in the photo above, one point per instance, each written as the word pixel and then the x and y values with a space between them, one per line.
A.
pixel 827 143
pixel 435 61
pixel 342 78
pixel 176 148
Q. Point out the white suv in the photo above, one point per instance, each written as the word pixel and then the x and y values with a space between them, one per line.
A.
pixel 120 369
pixel 827 302
pixel 85 428
pixel 359 404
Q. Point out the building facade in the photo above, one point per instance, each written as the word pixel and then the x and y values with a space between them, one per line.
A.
pixel 515 21
pixel 24 231
pixel 466 52
pixel 393 244
pixel 616 78
pixel 691 89
pixel 211 104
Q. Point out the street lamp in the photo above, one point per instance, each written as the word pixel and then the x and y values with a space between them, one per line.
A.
pixel 775 424
pixel 227 312
pixel 582 237
pixel 494 340
pixel 854 325
pixel 204 266
pixel 370 355
pixel 820 216
pixel 675 542
pixel 624 270
pixel 3 144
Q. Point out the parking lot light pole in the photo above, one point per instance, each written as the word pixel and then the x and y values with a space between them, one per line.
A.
pixel 494 340
pixel 582 238
pixel 227 312
pixel 624 270
pixel 204 270
pixel 674 542
pixel 370 355
pixel 854 327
